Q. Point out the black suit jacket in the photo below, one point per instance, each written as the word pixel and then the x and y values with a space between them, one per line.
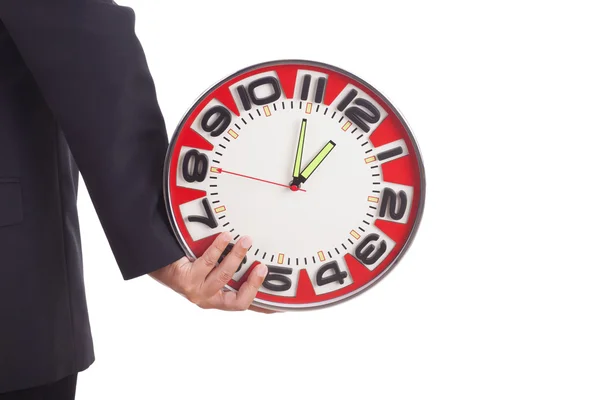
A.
pixel 75 94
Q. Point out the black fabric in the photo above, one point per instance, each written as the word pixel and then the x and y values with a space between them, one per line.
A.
pixel 75 94
pixel 11 211
pixel 61 390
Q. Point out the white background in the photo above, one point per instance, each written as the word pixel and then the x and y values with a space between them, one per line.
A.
pixel 498 298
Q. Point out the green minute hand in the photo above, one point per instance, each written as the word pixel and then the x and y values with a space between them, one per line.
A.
pixel 298 160
pixel 314 164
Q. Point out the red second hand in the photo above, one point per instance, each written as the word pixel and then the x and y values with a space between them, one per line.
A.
pixel 222 171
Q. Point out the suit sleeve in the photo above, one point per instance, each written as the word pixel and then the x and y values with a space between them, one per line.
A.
pixel 92 71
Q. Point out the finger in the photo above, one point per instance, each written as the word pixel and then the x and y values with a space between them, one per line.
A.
pixel 247 293
pixel 221 275
pixel 205 264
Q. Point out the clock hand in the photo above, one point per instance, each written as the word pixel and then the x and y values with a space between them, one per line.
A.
pixel 222 171
pixel 313 165
pixel 298 160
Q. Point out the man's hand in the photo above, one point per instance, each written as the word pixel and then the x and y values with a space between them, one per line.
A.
pixel 202 284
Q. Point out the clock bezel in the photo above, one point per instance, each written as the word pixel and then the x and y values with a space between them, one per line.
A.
pixel 417 153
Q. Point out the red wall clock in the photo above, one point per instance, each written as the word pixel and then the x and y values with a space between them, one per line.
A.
pixel 313 163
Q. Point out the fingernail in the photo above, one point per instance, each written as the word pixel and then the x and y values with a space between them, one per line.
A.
pixel 246 242
pixel 262 270
pixel 226 236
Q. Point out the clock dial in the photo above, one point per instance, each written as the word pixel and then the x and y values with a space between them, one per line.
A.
pixel 313 163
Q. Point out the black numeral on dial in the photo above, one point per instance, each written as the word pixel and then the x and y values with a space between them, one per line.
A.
pixel 226 253
pixel 335 274
pixel 248 94
pixel 394 203
pixel 305 87
pixel 208 220
pixel 319 93
pixel 220 122
pixel 366 251
pixel 195 166
pixel 277 280
pixel 362 113
pixel 384 155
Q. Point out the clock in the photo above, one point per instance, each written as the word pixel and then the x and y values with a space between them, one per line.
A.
pixel 313 163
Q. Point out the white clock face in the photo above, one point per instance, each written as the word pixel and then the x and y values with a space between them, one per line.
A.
pixel 288 154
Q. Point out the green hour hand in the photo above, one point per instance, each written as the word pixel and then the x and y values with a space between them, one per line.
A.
pixel 298 160
pixel 314 164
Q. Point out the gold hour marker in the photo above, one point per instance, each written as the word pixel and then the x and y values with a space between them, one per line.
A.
pixel 233 134
pixel 280 258
pixel 267 111
pixel 355 234
pixel 220 209
pixel 373 199
pixel 308 108
pixel 215 169
pixel 321 256
pixel 369 159
pixel 347 125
